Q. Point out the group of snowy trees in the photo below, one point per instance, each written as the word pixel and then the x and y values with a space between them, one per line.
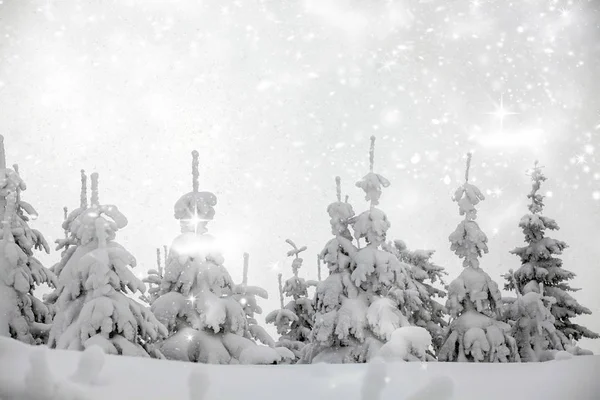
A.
pixel 379 299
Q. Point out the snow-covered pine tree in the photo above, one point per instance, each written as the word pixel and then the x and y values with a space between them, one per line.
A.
pixel 247 296
pixel 294 320
pixel 22 315
pixel 68 244
pixel 425 273
pixel 154 278
pixel 93 306
pixel 196 299
pixel 533 324
pixel 539 266
pixel 474 300
pixel 368 293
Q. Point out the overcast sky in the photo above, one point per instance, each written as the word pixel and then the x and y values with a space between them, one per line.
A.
pixel 279 97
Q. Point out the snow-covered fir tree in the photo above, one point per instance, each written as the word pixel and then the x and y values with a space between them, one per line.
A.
pixel 22 315
pixel 541 269
pixel 68 244
pixel 154 279
pixel 93 306
pixel 533 324
pixel 474 301
pixel 197 301
pixel 425 274
pixel 294 320
pixel 247 296
pixel 368 293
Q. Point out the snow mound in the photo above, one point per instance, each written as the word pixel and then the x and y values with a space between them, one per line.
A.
pixel 409 343
pixel 259 355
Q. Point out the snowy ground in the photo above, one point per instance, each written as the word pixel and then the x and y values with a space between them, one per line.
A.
pixel 136 378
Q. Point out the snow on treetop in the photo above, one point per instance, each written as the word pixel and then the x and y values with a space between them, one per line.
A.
pixel 10 181
pixel 295 250
pixel 371 184
pixel 83 205
pixel 537 177
pixel 340 213
pixel 108 217
pixel 468 196
pixel 372 225
pixel 195 209
pixel 195 205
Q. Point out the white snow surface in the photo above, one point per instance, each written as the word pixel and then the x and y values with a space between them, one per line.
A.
pixel 125 377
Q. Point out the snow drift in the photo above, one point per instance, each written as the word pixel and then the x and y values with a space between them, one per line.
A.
pixel 122 377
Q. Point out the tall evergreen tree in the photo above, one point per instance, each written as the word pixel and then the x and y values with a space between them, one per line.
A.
pixel 247 295
pixel 93 306
pixel 197 300
pixel 294 320
pixel 368 293
pixel 533 324
pixel 68 244
pixel 22 315
pixel 539 266
pixel 474 300
pixel 425 274
pixel 154 279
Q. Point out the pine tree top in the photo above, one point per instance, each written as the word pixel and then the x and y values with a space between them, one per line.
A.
pixel 537 200
pixel 195 209
pixel 468 196
pixel 372 182
pixel 340 212
pixel 467 240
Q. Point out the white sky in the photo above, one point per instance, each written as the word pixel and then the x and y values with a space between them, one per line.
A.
pixel 280 97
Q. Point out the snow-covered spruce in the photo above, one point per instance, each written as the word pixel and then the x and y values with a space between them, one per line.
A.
pixel 540 269
pixel 154 279
pixel 247 296
pixel 474 300
pixel 369 292
pixel 22 315
pixel 196 301
pixel 68 244
pixel 93 308
pixel 425 274
pixel 294 320
pixel 533 325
